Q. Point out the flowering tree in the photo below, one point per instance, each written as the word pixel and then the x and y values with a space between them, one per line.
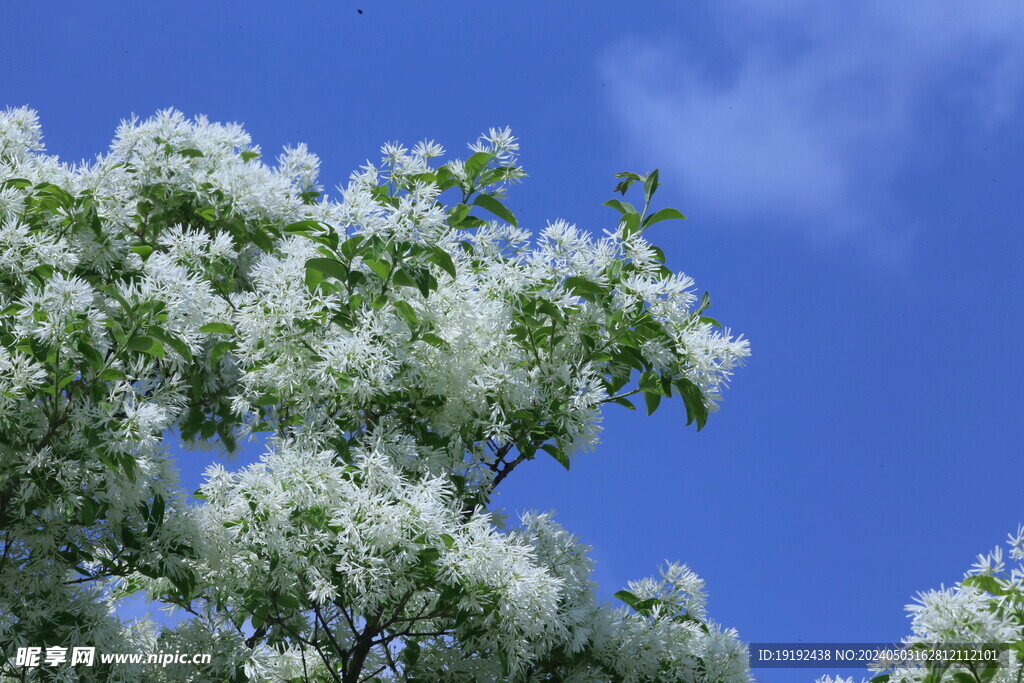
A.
pixel 402 357
pixel 982 616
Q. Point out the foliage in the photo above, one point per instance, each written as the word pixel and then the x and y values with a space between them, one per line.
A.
pixel 400 357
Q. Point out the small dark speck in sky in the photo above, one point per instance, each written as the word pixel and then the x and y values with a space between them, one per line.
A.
pixel 360 11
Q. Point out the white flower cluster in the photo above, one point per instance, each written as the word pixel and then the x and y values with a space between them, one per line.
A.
pixel 985 609
pixel 406 356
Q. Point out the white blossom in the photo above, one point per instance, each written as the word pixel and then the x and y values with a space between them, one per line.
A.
pixel 400 364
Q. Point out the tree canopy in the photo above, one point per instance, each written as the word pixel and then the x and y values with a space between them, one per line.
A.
pixel 400 350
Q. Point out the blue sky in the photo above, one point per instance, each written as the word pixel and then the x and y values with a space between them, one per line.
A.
pixel 851 174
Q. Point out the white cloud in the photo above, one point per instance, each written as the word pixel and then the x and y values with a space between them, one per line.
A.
pixel 806 111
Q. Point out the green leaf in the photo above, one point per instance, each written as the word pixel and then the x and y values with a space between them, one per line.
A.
pixel 652 401
pixel 328 266
pixel 262 239
pixel 488 202
pixel 630 224
pixel 313 279
pixel 651 185
pixel 350 247
pixel 624 402
pixel 108 460
pixel 476 163
pixel 382 195
pixel 112 291
pixel 110 375
pixel 407 313
pixel 146 345
pixel 302 226
pixel 175 343
pixel 288 601
pixel 443 259
pixel 94 223
pixel 217 328
pixel 551 310
pixel 579 285
pixel 248 155
pixel 411 652
pixel 627 597
pixel 207 213
pixel 90 355
pixel 90 510
pixel 403 278
pixel 418 277
pixel 470 222
pixel 157 510
pixel 630 357
pixel 693 399
pixel 257 619
pixel 443 178
pixel 556 453
pixel 705 302
pixel 58 193
pixel 621 207
pixel 644 606
pixel 144 251
pixel 378 266
pixel 189 152
pixel 356 278
pixel 219 349
pixel 987 583
pixel 20 183
pixel 434 340
pixel 457 214
pixel 650 382
pixel 628 179
pixel 663 215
